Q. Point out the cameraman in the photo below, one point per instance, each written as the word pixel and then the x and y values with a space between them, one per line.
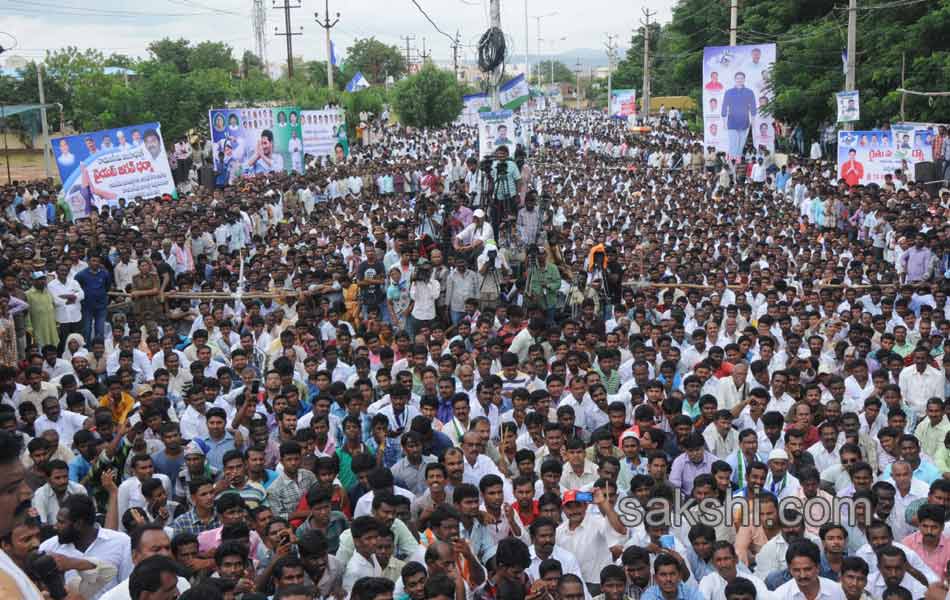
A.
pixel 529 220
pixel 506 177
pixel 423 293
pixel 492 269
pixel 473 181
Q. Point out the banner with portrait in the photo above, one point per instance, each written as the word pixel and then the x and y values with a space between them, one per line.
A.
pixel 849 107
pixel 623 103
pixel 323 131
pixel 501 128
pixel 866 157
pixel 736 95
pixel 472 104
pixel 252 141
pixel 99 168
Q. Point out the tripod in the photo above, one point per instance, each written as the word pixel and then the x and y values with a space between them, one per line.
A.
pixel 502 202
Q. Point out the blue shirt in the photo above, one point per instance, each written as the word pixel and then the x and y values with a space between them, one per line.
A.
pixel 926 472
pixel 94 287
pixel 738 104
pixel 79 468
pixel 217 450
pixel 684 592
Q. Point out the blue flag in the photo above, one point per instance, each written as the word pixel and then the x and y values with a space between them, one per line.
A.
pixel 844 62
pixel 357 83
pixel 332 54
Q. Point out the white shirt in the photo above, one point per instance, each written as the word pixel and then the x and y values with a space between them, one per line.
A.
pixel 590 541
pixel 121 591
pixel 424 296
pixel 8 568
pixel 130 492
pixel 828 590
pixel 358 568
pixel 365 504
pixel 66 426
pixel 472 232
pixel 193 424
pixel 713 586
pixel 111 546
pixel 876 586
pixel 823 458
pixel 47 504
pixel 771 557
pixel 917 388
pixel 568 562
pixel 870 557
pixel 66 313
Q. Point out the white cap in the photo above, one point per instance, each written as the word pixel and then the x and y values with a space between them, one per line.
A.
pixel 479 213
pixel 778 454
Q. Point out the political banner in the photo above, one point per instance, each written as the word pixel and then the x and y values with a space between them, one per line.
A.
pixel 99 168
pixel 736 94
pixel 252 141
pixel 473 104
pixel 623 103
pixel 501 128
pixel 866 157
pixel 849 109
pixel 513 93
pixel 324 133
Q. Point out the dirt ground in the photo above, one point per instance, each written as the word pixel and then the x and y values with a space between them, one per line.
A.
pixel 25 165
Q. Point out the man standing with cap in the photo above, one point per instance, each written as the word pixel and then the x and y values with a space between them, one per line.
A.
pixel 41 319
pixel 779 481
pixel 588 535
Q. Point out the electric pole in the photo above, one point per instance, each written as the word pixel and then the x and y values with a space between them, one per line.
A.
pixel 495 13
pixel 424 56
pixel 733 21
pixel 646 63
pixel 408 39
pixel 286 6
pixel 455 54
pixel 611 56
pixel 577 90
pixel 327 25
pixel 852 50
pixel 46 145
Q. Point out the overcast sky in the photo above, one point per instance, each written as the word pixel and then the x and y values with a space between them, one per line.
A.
pixel 125 27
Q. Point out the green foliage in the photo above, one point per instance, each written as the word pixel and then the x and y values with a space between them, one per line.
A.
pixel 562 74
pixel 374 59
pixel 430 98
pixel 810 35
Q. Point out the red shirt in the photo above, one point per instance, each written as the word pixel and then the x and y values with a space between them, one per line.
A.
pixel 527 517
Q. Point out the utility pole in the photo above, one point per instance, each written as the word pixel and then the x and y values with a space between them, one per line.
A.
pixel 327 26
pixel 408 39
pixel 852 50
pixel 733 21
pixel 527 45
pixel 424 56
pixel 903 95
pixel 611 56
pixel 495 13
pixel 646 63
pixel 455 54
pixel 577 89
pixel 46 146
pixel 286 6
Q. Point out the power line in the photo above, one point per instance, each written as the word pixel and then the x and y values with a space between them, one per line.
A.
pixel 219 11
pixel 62 9
pixel 429 19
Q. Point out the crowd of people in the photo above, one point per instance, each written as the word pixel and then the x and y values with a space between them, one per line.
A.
pixel 608 366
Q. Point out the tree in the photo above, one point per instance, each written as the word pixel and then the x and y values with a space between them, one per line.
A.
pixel 375 60
pixel 176 53
pixel 316 72
pixel 251 65
pixel 212 55
pixel 562 73
pixel 430 98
